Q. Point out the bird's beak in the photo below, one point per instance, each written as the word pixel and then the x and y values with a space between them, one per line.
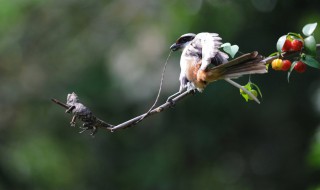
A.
pixel 174 47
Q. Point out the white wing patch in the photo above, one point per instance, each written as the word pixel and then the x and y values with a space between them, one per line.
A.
pixel 209 44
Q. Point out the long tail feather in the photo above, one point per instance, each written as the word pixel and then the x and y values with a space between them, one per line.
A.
pixel 250 63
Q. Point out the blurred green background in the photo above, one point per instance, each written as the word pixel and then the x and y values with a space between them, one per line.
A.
pixel 111 54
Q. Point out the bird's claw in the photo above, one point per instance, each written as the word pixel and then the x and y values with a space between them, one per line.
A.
pixel 88 126
pixel 73 121
pixel 193 91
pixel 72 124
pixel 171 102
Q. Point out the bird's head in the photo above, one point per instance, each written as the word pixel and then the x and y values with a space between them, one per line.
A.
pixel 182 41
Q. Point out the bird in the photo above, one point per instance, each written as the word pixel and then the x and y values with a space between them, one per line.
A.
pixel 202 62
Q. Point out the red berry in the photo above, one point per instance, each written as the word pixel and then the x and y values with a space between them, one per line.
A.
pixel 286 64
pixel 300 67
pixel 287 46
pixel 296 45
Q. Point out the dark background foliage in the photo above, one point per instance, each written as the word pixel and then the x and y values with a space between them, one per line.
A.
pixel 111 54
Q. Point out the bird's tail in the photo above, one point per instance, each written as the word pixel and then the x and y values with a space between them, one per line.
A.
pixel 250 63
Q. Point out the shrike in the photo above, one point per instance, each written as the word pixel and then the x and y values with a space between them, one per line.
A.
pixel 202 62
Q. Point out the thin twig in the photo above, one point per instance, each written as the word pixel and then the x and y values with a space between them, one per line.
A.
pixel 60 103
pixel 159 109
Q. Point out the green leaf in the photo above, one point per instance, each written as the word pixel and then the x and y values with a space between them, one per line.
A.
pixel 310 45
pixel 274 54
pixel 257 88
pixel 225 44
pixel 243 94
pixel 312 62
pixel 230 49
pixel 250 87
pixel 234 50
pixel 280 42
pixel 294 36
pixel 309 29
pixel 291 69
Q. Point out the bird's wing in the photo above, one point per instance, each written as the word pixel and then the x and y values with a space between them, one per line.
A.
pixel 208 44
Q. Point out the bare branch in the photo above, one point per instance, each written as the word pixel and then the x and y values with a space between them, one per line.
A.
pixel 159 109
pixel 60 103
pixel 91 122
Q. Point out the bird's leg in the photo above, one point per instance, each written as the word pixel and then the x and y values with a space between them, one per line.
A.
pixel 183 85
pixel 170 98
pixel 88 126
pixel 190 89
pixel 73 121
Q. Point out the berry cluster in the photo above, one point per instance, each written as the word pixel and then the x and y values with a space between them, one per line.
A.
pixel 292 45
pixel 285 65
pixel 302 50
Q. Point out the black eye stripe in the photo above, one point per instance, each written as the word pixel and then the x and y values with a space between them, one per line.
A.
pixel 185 39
